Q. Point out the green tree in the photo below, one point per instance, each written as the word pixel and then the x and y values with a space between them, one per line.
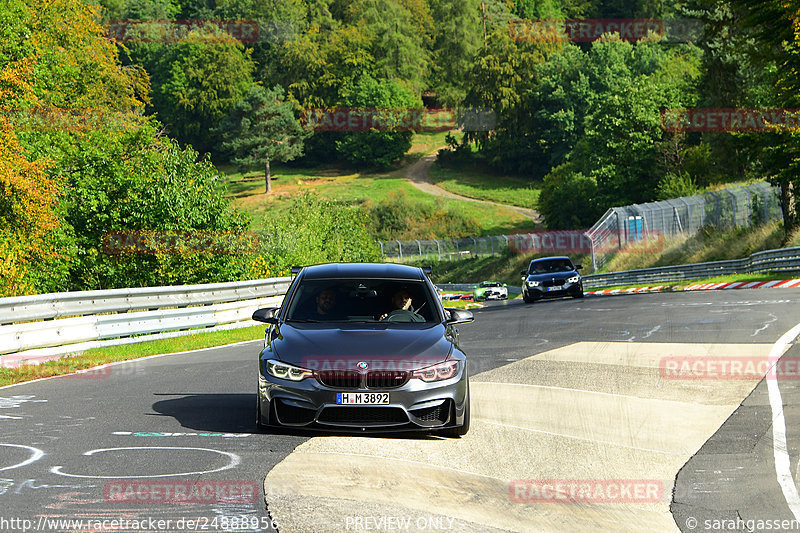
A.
pixel 374 147
pixel 775 27
pixel 622 131
pixel 60 79
pixel 457 38
pixel 262 128
pixel 139 183
pixel 400 38
pixel 197 82
pixel 317 65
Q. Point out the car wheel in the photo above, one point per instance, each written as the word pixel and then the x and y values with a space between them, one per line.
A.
pixel 459 431
pixel 578 294
pixel 527 299
pixel 260 424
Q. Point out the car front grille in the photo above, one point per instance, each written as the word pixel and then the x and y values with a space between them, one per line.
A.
pixel 339 379
pixel 367 416
pixel 386 379
pixel 351 379
pixel 553 283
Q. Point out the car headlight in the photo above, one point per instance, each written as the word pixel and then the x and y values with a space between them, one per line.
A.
pixel 281 370
pixel 574 279
pixel 437 372
pixel 533 284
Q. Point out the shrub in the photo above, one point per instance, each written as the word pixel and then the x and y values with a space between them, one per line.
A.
pixel 568 199
pixel 316 230
pixel 399 217
pixel 675 185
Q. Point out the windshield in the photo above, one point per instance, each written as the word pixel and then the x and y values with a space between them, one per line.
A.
pixel 552 265
pixel 362 300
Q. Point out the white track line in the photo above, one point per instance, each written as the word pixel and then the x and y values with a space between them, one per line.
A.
pixel 783 468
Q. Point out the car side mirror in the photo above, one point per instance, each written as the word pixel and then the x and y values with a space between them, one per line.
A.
pixel 578 267
pixel 459 316
pixel 266 314
pixel 523 273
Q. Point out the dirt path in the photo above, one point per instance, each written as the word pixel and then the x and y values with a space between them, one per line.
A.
pixel 417 175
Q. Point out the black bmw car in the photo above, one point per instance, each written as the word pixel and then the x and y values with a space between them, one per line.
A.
pixel 363 347
pixel 551 277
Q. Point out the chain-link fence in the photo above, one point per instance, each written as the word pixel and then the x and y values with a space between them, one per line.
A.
pixel 444 249
pixel 618 228
pixel 724 209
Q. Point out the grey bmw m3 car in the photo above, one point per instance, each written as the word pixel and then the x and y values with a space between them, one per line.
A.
pixel 363 346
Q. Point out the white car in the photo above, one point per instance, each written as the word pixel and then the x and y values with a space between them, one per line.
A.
pixel 491 290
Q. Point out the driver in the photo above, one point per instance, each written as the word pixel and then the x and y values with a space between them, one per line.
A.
pixel 403 310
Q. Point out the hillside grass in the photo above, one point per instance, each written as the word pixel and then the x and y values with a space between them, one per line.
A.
pixel 246 189
pixel 481 185
pixel 708 244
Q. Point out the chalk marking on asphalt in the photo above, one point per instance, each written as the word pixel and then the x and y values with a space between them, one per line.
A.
pixel 36 454
pixel 766 324
pixel 594 441
pixel 653 331
pixel 783 469
pixel 234 462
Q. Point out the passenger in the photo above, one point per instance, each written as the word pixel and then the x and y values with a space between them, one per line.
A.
pixel 326 305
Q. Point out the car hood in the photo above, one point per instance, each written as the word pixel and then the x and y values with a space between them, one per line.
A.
pixel 552 275
pixel 396 346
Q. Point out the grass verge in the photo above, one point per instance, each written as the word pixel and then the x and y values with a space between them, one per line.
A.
pixel 124 352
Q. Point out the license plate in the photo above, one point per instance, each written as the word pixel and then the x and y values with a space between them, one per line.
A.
pixel 362 398
pixel 556 288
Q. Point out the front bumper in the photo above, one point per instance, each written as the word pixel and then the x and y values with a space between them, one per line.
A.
pixel 557 291
pixel 416 405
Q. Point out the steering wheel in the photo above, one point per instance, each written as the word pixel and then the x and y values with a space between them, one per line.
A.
pixel 403 315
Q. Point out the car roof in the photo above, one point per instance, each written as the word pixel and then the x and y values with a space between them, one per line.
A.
pixel 363 270
pixel 560 257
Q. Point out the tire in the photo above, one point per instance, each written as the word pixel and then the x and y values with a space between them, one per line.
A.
pixel 578 294
pixel 259 418
pixel 527 299
pixel 459 431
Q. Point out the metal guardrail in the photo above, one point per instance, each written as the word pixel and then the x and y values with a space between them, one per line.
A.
pixel 783 259
pixel 38 321
pixel 57 305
